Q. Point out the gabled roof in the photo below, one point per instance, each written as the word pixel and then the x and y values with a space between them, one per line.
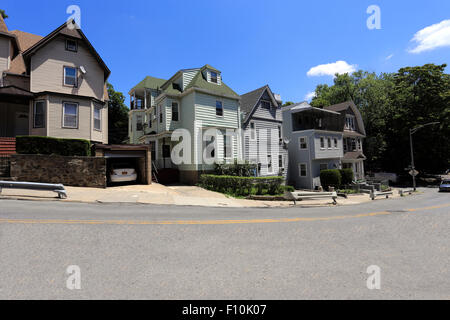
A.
pixel 207 66
pixel 354 155
pixel 63 29
pixel 249 100
pixel 25 39
pixel 344 106
pixel 150 83
pixel 200 82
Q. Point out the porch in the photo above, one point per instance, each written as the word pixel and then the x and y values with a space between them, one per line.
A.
pixel 14 111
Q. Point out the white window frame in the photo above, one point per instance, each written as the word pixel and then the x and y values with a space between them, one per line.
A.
pixel 280 160
pixel 300 169
pixel 336 143
pixel 269 163
pixel 99 119
pixel 75 77
pixel 350 122
pixel 141 118
pixel 43 114
pixel 64 115
pixel 329 144
pixel 322 145
pixel 300 143
pixel 216 77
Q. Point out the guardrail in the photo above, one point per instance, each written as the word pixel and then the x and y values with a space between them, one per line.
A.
pixel 58 188
pixel 375 194
pixel 299 196
pixel 403 192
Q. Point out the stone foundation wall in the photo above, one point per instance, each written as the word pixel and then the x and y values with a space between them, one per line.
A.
pixel 70 171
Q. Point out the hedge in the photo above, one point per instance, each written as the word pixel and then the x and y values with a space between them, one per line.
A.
pixel 330 178
pixel 235 169
pixel 346 176
pixel 52 146
pixel 242 186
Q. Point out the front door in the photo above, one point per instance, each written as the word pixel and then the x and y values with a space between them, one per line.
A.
pixel 21 124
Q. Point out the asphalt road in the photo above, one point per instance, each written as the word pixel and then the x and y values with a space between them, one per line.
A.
pixel 168 252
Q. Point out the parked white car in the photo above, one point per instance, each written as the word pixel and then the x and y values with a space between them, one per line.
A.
pixel 123 173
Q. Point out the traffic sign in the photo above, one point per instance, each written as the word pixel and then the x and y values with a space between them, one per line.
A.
pixel 414 173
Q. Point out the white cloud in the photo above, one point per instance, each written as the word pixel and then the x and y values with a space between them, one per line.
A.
pixel 331 69
pixel 432 37
pixel 310 95
pixel 389 56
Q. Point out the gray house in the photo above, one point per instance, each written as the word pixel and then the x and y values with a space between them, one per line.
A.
pixel 315 143
pixel 354 134
pixel 262 122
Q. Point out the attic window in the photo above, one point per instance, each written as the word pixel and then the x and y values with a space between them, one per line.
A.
pixel 213 77
pixel 265 104
pixel 71 45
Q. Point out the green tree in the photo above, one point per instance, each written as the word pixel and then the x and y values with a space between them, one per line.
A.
pixel 3 14
pixel 117 116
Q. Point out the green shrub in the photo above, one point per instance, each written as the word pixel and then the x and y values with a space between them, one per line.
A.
pixel 245 169
pixel 330 178
pixel 242 186
pixel 346 176
pixel 55 146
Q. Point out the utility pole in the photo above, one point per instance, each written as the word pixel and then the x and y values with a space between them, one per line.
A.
pixel 411 132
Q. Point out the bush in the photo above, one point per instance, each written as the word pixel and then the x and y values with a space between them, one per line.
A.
pixel 55 146
pixel 242 186
pixel 235 169
pixel 330 178
pixel 346 176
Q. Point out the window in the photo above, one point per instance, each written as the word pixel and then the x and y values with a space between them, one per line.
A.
pixel 70 76
pixel 322 142
pixel 71 45
pixel 269 163
pixel 98 118
pixel 175 114
pixel 213 77
pixel 139 126
pixel 166 151
pixel 350 122
pixel 345 144
pixel 225 146
pixel 280 161
pixel 219 108
pixel 160 114
pixel 329 143
pixel 335 143
pixel 323 166
pixel 265 104
pixel 280 134
pixel 353 144
pixel 39 114
pixel 359 144
pixel 70 115
pixel 303 143
pixel 302 170
pixel 252 131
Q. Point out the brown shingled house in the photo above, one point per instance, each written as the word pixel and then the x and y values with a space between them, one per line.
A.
pixel 53 85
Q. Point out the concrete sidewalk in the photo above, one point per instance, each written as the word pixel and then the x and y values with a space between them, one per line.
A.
pixel 170 195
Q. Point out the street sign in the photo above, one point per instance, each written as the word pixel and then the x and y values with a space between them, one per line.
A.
pixel 414 173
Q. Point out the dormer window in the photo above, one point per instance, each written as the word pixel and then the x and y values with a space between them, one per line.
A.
pixel 213 77
pixel 71 45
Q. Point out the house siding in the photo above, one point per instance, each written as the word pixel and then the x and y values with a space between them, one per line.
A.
pixel 47 70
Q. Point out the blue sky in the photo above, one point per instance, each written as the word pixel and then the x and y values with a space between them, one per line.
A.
pixel 253 43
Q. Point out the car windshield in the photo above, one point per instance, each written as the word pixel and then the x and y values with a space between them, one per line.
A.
pixel 446 182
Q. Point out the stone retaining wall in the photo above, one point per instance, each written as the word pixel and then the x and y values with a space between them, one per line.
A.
pixel 70 171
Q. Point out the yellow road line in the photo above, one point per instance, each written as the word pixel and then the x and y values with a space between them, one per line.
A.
pixel 205 222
